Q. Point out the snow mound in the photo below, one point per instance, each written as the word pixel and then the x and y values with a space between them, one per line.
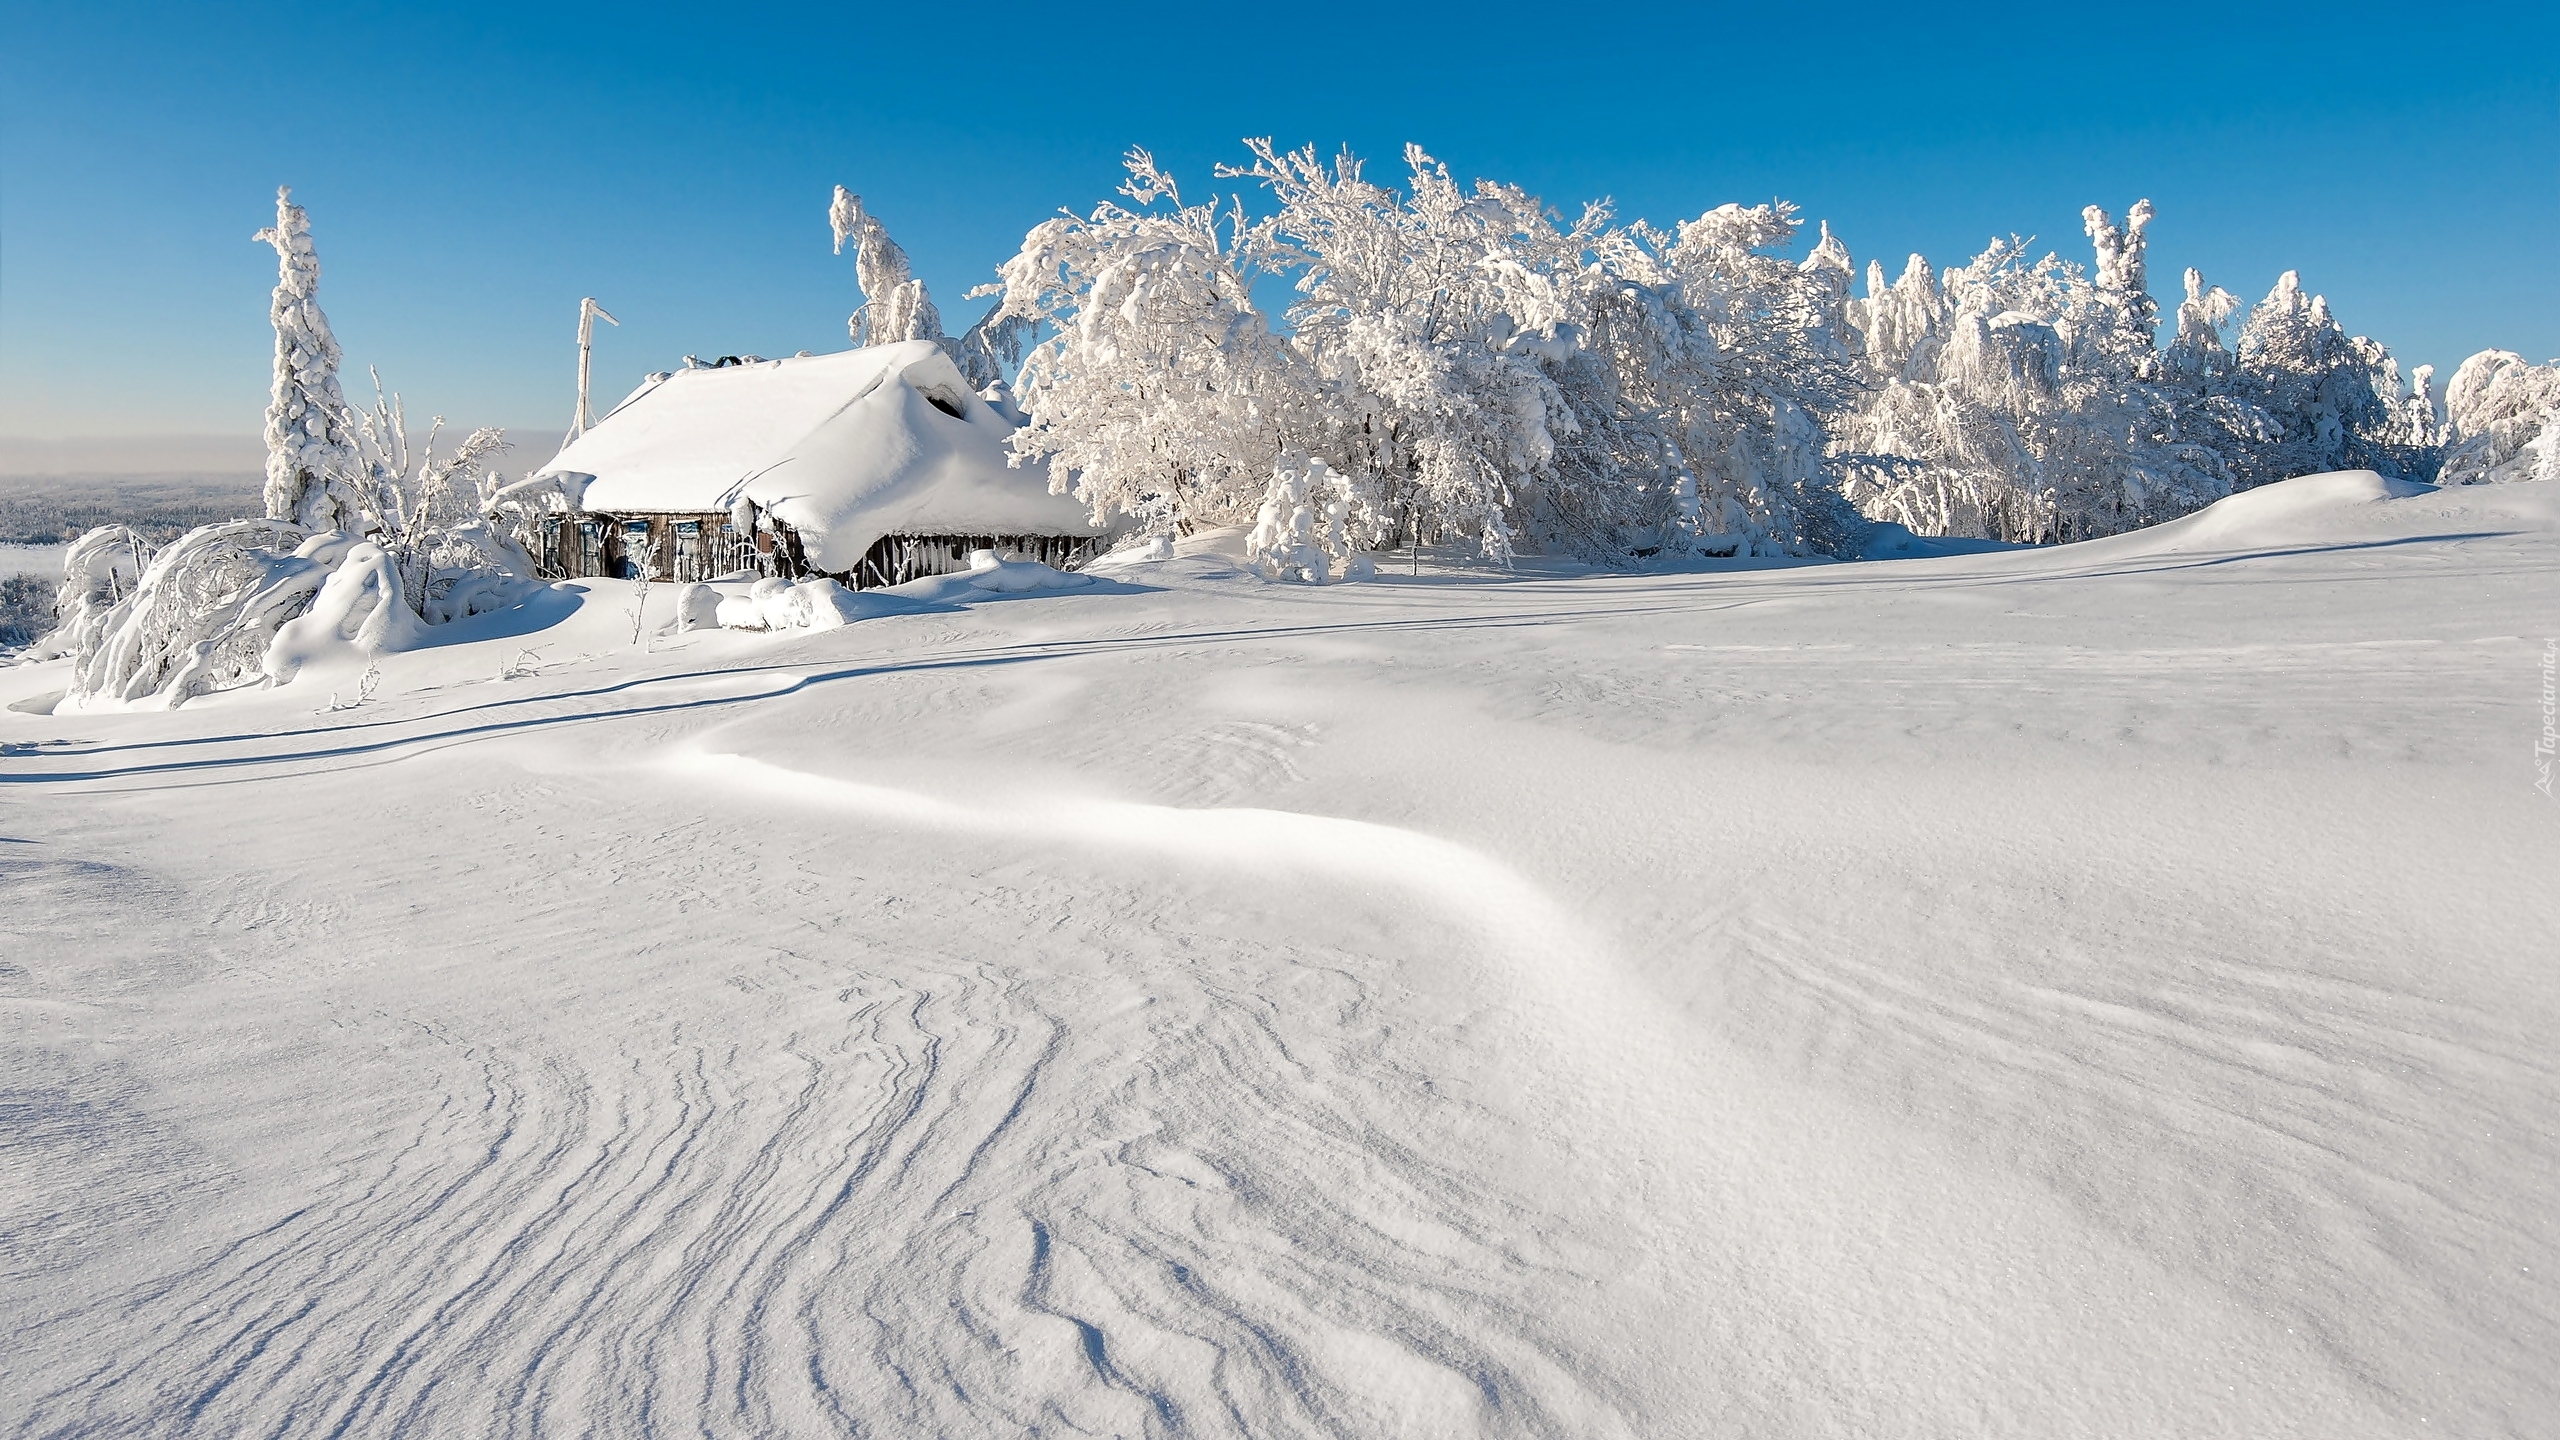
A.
pixel 989 574
pixel 815 604
pixel 358 615
pixel 1888 540
pixel 1214 553
pixel 2312 509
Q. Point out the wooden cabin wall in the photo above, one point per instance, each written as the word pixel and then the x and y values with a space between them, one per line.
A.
pixel 588 545
pixel 897 559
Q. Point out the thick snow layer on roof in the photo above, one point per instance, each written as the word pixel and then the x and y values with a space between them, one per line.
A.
pixel 845 448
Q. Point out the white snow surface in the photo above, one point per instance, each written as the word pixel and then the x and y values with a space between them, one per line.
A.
pixel 845 447
pixel 2093 991
pixel 44 560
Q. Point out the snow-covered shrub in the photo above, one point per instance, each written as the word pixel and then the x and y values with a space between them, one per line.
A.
pixel 429 513
pixel 204 613
pixel 26 611
pixel 697 608
pixel 1303 531
pixel 472 568
pixel 99 570
pixel 817 603
pixel 2503 416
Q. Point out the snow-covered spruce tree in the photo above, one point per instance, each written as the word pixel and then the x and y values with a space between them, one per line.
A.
pixel 307 439
pixel 1161 393
pixel 2502 418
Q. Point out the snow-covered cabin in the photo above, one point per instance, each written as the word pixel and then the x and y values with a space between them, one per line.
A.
pixel 875 466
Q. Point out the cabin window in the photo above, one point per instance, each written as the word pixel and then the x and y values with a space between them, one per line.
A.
pixel 946 405
pixel 636 543
pixel 592 548
pixel 692 561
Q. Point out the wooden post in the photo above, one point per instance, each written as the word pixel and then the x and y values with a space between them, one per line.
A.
pixel 588 313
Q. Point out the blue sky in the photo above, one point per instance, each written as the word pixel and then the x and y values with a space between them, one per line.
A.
pixel 473 169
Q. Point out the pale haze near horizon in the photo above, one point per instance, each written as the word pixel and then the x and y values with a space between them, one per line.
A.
pixel 212 456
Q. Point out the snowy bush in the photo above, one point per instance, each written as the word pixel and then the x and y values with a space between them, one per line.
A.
pixel 204 612
pixel 99 570
pixel 362 608
pixel 697 608
pixel 1303 531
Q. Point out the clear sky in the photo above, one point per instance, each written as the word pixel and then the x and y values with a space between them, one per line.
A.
pixel 472 169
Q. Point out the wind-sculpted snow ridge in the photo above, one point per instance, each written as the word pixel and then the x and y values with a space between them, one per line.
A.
pixel 941 1195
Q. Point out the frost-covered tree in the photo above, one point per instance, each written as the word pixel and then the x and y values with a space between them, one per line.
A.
pixel 1429 317
pixel 307 439
pixel 1475 368
pixel 1958 371
pixel 1721 356
pixel 895 306
pixel 2334 399
pixel 1161 394
pixel 2029 400
pixel 2503 419
pixel 1484 371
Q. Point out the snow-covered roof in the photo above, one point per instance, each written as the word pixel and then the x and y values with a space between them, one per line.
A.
pixel 844 448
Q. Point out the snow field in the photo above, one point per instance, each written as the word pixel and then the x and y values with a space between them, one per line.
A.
pixel 44 560
pixel 2101 990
